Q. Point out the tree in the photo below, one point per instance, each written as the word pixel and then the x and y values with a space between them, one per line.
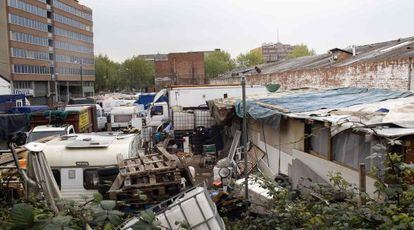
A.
pixel 137 73
pixel 301 50
pixel 252 58
pixel 218 62
pixel 106 74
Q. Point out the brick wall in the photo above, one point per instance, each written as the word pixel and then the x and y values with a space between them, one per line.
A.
pixel 389 74
pixel 181 69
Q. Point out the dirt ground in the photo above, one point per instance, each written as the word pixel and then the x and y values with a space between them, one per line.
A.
pixel 202 173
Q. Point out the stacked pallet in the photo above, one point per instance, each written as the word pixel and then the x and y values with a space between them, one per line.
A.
pixel 158 176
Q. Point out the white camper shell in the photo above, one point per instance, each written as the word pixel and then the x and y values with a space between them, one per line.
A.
pixel 74 159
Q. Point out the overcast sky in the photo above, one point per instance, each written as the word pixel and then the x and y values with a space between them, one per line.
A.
pixel 125 28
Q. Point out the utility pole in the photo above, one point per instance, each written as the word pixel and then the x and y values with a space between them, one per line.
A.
pixel 244 139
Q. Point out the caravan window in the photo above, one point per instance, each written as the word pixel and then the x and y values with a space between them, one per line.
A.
pixel 352 148
pixel 90 179
pixel 56 175
pixel 122 118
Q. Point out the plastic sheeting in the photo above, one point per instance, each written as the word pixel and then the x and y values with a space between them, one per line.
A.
pixel 40 172
pixel 29 109
pixel 11 124
pixel 147 98
pixel 305 102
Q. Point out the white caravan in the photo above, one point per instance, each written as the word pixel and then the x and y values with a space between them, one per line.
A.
pixel 74 159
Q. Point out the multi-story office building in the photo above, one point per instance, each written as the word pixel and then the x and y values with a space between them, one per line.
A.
pixel 46 47
pixel 273 52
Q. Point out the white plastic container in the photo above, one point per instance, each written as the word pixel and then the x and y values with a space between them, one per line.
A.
pixel 183 121
pixel 195 208
pixel 203 118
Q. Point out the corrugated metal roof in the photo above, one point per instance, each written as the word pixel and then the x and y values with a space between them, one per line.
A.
pixel 394 49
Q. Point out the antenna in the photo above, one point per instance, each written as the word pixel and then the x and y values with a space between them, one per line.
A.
pixel 277 31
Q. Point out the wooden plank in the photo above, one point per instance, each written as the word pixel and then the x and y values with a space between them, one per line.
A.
pixel 151 171
pixel 164 152
pixel 148 186
pixel 117 183
pixel 130 164
pixel 158 162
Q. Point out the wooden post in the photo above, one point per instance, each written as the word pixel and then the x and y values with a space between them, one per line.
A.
pixel 362 182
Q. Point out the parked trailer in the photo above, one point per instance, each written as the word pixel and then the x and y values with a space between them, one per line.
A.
pixel 80 119
pixel 195 96
pixel 78 161
pixel 98 117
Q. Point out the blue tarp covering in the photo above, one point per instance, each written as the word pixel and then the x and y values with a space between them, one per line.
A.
pixel 13 98
pixel 306 102
pixel 146 98
pixel 29 109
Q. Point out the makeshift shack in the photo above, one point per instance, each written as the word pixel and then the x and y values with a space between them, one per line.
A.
pixel 311 133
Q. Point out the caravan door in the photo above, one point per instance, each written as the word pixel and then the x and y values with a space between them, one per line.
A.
pixel 72 184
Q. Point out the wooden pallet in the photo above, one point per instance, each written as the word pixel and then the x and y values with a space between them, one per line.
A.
pixel 145 164
pixel 156 175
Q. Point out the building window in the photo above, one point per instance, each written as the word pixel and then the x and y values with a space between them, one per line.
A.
pixel 352 148
pixel 30 54
pixel 22 84
pixel 74 59
pixel 73 47
pixel 32 69
pixel 27 7
pixel 28 38
pixel 29 23
pixel 73 35
pixel 76 71
pixel 71 22
pixel 72 10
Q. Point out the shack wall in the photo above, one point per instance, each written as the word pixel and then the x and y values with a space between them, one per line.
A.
pixel 278 143
pixel 388 74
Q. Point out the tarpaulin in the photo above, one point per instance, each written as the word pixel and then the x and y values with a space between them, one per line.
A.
pixel 11 124
pixel 29 109
pixel 147 98
pixel 271 109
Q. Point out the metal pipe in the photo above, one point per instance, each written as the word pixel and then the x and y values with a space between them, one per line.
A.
pixel 244 139
pixel 20 170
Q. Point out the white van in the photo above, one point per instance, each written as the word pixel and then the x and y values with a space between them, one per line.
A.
pixel 76 159
pixel 42 131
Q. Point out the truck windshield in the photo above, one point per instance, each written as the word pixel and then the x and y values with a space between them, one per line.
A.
pixel 39 135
